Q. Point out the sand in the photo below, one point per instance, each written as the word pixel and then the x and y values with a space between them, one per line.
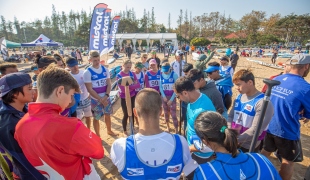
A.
pixel 107 170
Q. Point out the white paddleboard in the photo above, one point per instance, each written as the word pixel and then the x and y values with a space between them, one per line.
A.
pixel 195 56
pixel 112 60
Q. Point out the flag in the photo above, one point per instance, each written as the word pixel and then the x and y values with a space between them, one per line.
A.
pixel 104 47
pixel 113 31
pixel 96 26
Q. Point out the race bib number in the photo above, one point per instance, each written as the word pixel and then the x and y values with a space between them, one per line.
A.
pixel 100 83
pixel 167 87
pixel 154 83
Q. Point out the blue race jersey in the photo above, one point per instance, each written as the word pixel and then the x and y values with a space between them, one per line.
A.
pixel 203 103
pixel 289 99
pixel 243 166
pixel 135 169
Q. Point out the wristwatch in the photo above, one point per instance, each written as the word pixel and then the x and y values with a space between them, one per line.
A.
pixel 107 95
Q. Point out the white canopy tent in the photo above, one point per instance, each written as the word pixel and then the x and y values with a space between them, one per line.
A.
pixel 162 37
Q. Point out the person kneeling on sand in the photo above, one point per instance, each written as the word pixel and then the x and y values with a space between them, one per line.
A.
pixel 59 147
pixel 152 153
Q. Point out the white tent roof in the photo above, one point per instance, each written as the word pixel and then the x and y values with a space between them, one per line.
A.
pixel 166 36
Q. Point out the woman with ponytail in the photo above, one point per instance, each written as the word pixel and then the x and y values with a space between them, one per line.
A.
pixel 228 162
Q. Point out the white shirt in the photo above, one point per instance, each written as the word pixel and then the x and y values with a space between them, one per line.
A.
pixel 79 78
pixel 159 147
pixel 175 65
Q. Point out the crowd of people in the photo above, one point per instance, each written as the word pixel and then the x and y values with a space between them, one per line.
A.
pixel 45 120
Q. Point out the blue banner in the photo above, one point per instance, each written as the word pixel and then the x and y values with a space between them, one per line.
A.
pixel 104 46
pixel 96 26
pixel 113 31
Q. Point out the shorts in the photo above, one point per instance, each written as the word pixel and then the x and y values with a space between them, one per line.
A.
pixel 99 110
pixel 84 112
pixel 290 150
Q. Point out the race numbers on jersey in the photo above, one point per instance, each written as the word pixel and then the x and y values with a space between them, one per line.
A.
pixel 100 83
pixel 154 83
pixel 167 87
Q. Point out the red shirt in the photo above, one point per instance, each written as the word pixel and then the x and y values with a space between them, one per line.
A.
pixel 59 147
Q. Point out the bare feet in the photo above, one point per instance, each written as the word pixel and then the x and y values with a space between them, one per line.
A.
pixel 125 134
pixel 111 133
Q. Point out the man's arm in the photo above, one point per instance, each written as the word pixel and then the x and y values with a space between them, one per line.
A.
pixel 231 116
pixel 118 153
pixel 208 59
pixel 247 135
pixel 227 100
pixel 86 143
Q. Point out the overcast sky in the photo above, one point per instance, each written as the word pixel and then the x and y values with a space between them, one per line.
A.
pixel 29 10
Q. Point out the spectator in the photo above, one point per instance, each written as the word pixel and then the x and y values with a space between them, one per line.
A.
pixel 228 51
pixel 50 140
pixel 78 56
pixel 289 98
pixel 73 53
pixel 144 62
pixel 128 51
pixel 234 60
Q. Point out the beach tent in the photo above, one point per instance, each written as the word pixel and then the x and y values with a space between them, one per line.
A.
pixel 9 44
pixel 42 40
pixel 149 37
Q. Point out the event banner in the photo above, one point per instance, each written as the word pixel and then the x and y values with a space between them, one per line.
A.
pixel 95 34
pixel 113 31
pixel 104 47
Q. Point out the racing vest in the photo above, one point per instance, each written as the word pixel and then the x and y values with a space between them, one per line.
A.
pixel 99 81
pixel 167 84
pixel 154 80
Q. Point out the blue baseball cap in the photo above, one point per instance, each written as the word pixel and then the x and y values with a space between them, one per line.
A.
pixel 72 62
pixel 165 68
pixel 211 69
pixel 12 81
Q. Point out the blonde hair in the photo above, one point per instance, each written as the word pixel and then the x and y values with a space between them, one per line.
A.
pixel 127 62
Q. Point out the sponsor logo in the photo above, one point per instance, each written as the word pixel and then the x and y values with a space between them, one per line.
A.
pixel 2 87
pixel 105 30
pixel 105 74
pixel 96 36
pixel 242 175
pixel 158 76
pixel 135 171
pixel 115 25
pixel 174 169
pixel 284 79
pixel 248 107
pixel 94 76
pixel 170 80
pixel 236 104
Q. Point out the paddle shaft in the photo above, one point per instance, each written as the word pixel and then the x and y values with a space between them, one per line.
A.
pixel 129 108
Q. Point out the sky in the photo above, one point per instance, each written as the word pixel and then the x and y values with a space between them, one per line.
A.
pixel 29 10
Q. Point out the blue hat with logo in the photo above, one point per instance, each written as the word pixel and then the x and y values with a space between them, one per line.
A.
pixel 71 62
pixel 12 81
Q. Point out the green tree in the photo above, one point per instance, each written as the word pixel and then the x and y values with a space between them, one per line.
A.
pixel 198 41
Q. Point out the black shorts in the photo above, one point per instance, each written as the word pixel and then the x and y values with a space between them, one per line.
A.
pixel 288 149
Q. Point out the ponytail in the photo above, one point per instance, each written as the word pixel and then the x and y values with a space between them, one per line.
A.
pixel 212 127
pixel 230 142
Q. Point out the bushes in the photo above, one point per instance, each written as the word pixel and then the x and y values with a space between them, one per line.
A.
pixel 198 41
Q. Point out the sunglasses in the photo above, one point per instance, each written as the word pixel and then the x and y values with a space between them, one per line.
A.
pixel 210 72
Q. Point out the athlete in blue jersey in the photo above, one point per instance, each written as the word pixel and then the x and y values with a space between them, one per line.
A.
pixel 140 75
pixel 197 103
pixel 223 83
pixel 151 153
pixel 225 69
pixel 289 99
pixel 228 162
pixel 244 116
